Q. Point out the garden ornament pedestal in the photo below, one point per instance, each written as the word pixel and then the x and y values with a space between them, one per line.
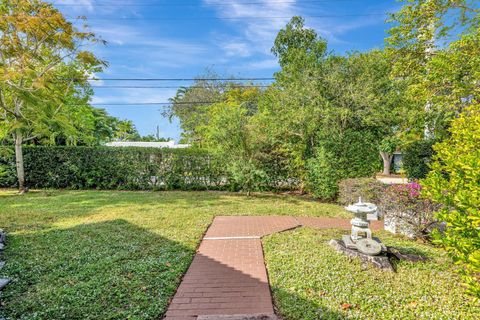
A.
pixel 361 235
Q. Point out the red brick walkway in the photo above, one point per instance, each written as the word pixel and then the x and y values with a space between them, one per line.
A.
pixel 255 227
pixel 328 223
pixel 227 275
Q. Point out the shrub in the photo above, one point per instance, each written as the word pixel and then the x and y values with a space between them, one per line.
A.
pixel 355 153
pixel 247 176
pixel 368 188
pixel 455 182
pixel 118 168
pixel 417 159
pixel 405 211
pixel 140 169
pixel 322 177
pixel 352 154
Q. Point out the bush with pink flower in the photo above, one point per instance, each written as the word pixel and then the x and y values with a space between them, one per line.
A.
pixel 405 211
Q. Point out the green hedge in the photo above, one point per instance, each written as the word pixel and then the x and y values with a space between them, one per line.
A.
pixel 117 168
pixel 353 154
pixel 417 158
pixel 131 168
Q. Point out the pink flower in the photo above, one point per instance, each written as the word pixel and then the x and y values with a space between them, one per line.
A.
pixel 414 189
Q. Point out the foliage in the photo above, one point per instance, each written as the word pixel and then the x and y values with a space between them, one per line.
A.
pixel 388 144
pixel 113 255
pixel 417 158
pixel 121 168
pixel 454 181
pixel 230 134
pixel 191 104
pixel 322 178
pixel 350 155
pixel 132 168
pixel 246 176
pixel 311 281
pixel 433 45
pixel 338 106
pixel 369 189
pixel 126 131
pixel 403 205
pixel 43 74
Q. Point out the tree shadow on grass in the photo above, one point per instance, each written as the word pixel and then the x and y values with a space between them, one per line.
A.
pixel 294 307
pixel 225 279
pixel 107 270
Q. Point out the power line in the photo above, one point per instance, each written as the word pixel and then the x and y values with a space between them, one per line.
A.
pixel 116 4
pixel 174 87
pixel 230 18
pixel 153 103
pixel 179 79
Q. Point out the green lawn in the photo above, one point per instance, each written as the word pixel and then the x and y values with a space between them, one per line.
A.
pixel 113 255
pixel 121 255
pixel 311 281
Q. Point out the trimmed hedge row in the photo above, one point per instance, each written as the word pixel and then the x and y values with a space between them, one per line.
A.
pixel 132 168
pixel 117 168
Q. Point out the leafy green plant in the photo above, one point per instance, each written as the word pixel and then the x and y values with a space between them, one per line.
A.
pixel 455 182
pixel 247 176
pixel 352 154
pixel 369 189
pixel 143 169
pixel 118 168
pixel 417 158
pixel 403 206
pixel 387 148
pixel 322 177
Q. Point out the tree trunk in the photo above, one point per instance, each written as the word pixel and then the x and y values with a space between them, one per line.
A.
pixel 19 162
pixel 387 160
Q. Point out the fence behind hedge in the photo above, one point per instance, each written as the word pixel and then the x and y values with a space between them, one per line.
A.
pixel 129 168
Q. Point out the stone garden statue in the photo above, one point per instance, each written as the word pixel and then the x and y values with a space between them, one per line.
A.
pixel 361 235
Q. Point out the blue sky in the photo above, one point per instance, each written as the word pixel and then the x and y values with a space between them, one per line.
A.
pixel 181 39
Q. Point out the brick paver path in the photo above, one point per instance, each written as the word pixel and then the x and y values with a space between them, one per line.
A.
pixel 227 275
pixel 254 227
pixel 327 223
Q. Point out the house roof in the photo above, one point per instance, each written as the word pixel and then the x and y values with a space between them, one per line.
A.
pixel 144 144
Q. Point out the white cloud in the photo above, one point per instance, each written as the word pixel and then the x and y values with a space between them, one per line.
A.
pixel 77 5
pixel 259 33
pixel 236 48
pixel 263 64
pixel 260 23
pixel 133 96
pixel 153 49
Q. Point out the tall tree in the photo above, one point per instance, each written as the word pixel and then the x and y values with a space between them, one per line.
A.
pixel 291 110
pixel 41 61
pixel 420 45
pixel 126 131
pixel 190 104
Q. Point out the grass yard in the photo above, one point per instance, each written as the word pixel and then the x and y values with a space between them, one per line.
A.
pixel 121 255
pixel 113 255
pixel 311 281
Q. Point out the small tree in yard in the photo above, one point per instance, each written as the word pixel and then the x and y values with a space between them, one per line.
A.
pixel 387 148
pixel 454 181
pixel 42 66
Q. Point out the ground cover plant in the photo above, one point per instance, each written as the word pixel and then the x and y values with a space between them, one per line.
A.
pixel 312 281
pixel 113 255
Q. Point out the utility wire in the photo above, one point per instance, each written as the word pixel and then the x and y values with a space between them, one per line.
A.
pixel 153 103
pixel 174 87
pixel 230 18
pixel 116 4
pixel 178 79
